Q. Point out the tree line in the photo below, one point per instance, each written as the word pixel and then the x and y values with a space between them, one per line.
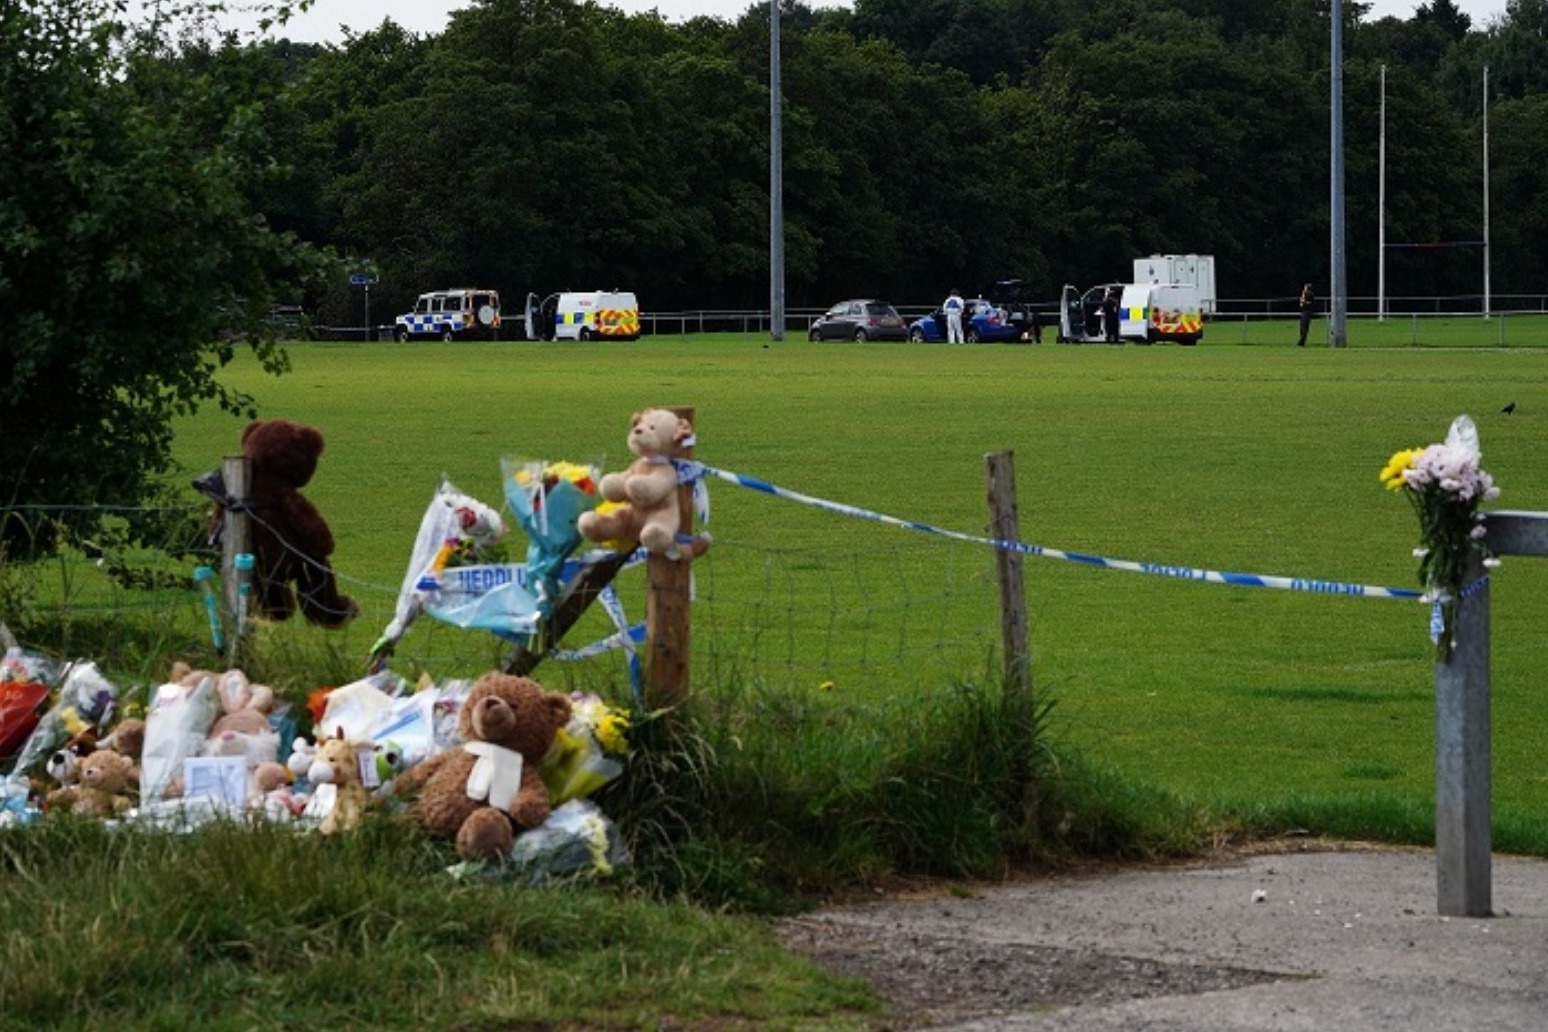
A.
pixel 164 183
pixel 546 144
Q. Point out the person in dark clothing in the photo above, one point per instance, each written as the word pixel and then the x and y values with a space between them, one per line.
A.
pixel 1110 315
pixel 1308 302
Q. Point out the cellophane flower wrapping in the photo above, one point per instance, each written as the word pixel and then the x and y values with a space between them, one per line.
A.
pixel 576 840
pixel 455 530
pixel 1446 484
pixel 547 499
pixel 588 752
pixel 85 698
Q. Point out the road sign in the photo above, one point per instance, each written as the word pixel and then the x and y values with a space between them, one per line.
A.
pixel 360 279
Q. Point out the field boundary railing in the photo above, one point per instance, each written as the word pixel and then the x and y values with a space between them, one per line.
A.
pixel 1244 310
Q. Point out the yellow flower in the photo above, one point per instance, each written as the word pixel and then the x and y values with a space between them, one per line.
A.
pixel 826 686
pixel 1401 462
pixel 611 732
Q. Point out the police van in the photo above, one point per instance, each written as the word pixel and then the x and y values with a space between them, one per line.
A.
pixel 584 315
pixel 459 313
pixel 1148 313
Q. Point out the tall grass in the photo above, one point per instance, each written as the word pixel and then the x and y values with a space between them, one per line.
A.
pixel 239 927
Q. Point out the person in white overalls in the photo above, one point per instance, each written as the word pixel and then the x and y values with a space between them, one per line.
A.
pixel 952 306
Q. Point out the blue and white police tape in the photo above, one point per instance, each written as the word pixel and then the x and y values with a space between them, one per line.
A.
pixel 1437 611
pixel 624 639
pixel 690 471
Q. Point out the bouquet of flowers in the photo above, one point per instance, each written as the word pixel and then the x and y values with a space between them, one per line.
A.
pixel 548 499
pixel 588 752
pixel 1445 484
pixel 456 530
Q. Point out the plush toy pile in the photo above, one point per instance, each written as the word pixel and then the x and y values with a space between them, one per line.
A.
pixel 484 765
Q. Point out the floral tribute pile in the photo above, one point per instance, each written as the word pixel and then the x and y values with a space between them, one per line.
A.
pixel 210 745
pixel 1446 484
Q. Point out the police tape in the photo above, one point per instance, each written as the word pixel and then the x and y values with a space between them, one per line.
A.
pixel 624 639
pixel 691 472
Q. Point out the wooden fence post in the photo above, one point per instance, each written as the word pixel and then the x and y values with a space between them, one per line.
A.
pixel 667 625
pixel 236 539
pixel 1005 525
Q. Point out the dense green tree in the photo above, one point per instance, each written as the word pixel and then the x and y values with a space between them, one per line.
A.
pixel 132 257
pixel 984 39
pixel 1161 141
pixel 1433 189
pixel 1519 182
pixel 1444 15
pixel 547 144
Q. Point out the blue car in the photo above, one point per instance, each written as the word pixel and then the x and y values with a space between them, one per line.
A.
pixel 981 321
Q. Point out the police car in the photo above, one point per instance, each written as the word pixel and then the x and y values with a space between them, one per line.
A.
pixel 460 313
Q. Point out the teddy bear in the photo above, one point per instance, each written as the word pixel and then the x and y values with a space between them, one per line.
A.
pixel 275 797
pixel 484 791
pixel 291 542
pixel 645 497
pixel 128 737
pixel 244 710
pixel 104 779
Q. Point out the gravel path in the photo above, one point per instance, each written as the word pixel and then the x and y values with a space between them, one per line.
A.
pixel 1327 937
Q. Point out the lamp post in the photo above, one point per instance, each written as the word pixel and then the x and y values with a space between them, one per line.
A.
pixel 1337 337
pixel 776 186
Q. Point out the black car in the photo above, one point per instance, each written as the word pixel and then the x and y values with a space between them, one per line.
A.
pixel 859 320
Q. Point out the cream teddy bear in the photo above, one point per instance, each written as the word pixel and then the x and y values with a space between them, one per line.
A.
pixel 646 506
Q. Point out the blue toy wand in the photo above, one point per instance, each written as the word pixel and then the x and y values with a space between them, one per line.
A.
pixel 204 576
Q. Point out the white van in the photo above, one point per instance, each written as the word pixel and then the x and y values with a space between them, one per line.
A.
pixel 584 315
pixel 1196 270
pixel 1147 313
pixel 462 312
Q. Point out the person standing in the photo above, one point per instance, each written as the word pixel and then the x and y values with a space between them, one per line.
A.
pixel 953 306
pixel 1110 315
pixel 1308 302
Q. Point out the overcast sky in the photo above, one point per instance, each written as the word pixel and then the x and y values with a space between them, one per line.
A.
pixel 321 23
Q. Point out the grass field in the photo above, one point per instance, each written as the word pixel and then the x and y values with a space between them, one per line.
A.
pixel 1258 458
pixel 843 738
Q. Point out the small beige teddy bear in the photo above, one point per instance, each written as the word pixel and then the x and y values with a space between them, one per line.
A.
pixel 649 511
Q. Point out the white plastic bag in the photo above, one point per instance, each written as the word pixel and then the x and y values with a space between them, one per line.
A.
pixel 175 729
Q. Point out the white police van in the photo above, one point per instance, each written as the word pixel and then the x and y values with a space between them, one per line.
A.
pixel 460 313
pixel 584 315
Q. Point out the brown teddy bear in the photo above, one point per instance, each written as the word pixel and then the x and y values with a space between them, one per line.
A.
pixel 128 738
pixel 485 790
pixel 649 511
pixel 291 542
pixel 105 777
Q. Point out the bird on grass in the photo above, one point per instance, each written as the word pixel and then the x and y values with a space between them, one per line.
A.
pixel 1508 409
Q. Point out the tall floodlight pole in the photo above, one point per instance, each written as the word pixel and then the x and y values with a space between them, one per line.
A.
pixel 776 186
pixel 1381 210
pixel 1336 334
pixel 1486 305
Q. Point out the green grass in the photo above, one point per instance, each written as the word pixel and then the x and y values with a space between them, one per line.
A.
pixel 241 928
pixel 835 736
pixel 1254 459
